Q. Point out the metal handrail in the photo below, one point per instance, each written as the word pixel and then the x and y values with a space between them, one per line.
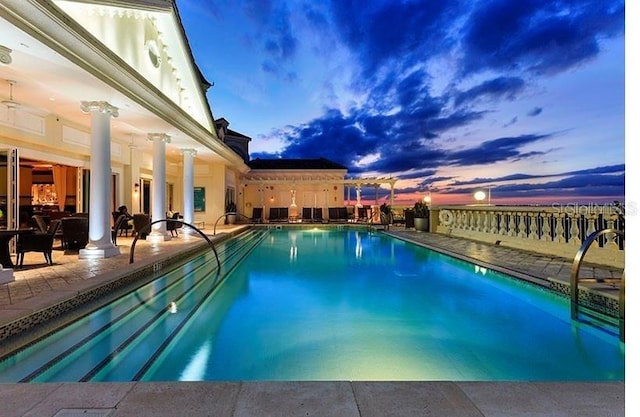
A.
pixel 147 228
pixel 575 270
pixel 215 225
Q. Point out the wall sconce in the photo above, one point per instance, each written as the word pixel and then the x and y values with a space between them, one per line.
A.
pixel 136 188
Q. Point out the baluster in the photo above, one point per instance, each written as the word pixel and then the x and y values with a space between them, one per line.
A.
pixel 560 229
pixel 574 236
pixel 512 223
pixel 486 226
pixel 494 223
pixel 533 233
pixel 591 223
pixel 503 224
pixel 546 227
pixel 479 221
pixel 522 225
pixel 611 242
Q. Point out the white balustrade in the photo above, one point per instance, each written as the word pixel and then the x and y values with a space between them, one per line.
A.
pixel 540 228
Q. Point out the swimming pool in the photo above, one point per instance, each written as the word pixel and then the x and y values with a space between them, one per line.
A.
pixel 318 304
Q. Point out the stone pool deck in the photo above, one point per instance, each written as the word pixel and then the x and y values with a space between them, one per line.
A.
pixel 38 286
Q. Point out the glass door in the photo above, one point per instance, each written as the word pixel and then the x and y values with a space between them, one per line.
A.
pixel 9 188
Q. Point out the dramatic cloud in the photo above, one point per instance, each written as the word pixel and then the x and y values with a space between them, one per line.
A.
pixel 420 89
pixel 502 87
pixel 541 37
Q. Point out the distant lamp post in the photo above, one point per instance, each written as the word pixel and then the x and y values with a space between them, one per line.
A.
pixel 480 196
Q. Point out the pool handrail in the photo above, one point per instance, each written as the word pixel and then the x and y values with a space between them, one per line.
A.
pixel 147 228
pixel 215 225
pixel 575 279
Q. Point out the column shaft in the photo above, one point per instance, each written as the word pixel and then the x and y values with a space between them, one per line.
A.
pixel 100 244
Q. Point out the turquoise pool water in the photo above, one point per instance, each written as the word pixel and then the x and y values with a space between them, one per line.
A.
pixel 326 305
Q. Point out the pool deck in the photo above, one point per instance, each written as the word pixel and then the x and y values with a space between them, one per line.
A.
pixel 38 286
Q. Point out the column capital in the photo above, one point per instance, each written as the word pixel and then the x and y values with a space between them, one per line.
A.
pixel 189 151
pixel 161 136
pixel 98 106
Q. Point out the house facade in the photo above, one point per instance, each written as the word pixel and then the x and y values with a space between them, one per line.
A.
pixel 102 105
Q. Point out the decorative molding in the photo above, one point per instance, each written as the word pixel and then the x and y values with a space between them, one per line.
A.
pixel 74 137
pixel 116 149
pixel 22 120
pixel 5 55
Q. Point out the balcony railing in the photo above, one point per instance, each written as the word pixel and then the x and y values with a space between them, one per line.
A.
pixel 545 229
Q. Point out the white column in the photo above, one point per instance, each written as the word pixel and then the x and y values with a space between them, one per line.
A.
pixel 392 183
pixel 100 244
pixel 158 204
pixel 187 161
pixel 358 190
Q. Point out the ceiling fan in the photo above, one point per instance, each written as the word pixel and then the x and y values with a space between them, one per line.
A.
pixel 11 103
pixel 14 105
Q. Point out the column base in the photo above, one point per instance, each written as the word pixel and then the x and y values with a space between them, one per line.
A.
pixel 157 237
pixel 6 275
pixel 97 252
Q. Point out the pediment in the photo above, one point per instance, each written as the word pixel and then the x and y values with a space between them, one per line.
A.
pixel 148 36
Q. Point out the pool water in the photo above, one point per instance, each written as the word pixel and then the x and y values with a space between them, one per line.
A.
pixel 322 304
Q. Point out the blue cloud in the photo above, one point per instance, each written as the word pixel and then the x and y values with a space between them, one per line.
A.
pixel 534 112
pixel 496 88
pixel 495 150
pixel 538 36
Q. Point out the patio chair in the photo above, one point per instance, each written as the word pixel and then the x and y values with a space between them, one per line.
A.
pixel 38 242
pixel 172 227
pixel 140 222
pixel 75 232
pixel 40 223
pixel 122 226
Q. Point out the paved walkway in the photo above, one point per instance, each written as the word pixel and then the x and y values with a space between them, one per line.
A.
pixel 38 286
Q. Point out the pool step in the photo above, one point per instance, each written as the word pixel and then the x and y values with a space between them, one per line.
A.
pixel 148 311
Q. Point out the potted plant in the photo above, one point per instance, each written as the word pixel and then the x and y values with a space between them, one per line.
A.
pixel 230 211
pixel 421 216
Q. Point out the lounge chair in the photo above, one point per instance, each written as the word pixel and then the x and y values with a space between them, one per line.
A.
pixel 278 214
pixel 363 214
pixel 317 215
pixel 256 217
pixel 307 214
pixel 338 214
